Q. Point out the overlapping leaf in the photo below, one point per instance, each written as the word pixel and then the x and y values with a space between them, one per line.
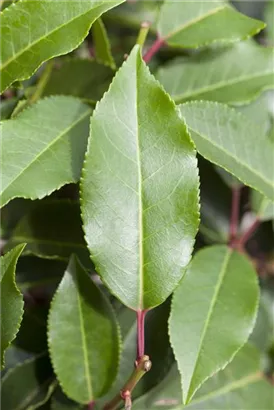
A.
pixel 220 75
pixel 81 78
pixel 101 44
pixel 11 299
pixel 35 31
pixel 213 312
pixel 48 234
pixel 190 24
pixel 31 383
pixel 228 139
pixel 241 385
pixel 139 189
pixel 262 206
pixel 83 336
pixel 43 148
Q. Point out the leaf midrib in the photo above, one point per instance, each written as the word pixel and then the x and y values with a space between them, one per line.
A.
pixel 179 97
pixel 140 200
pixel 84 343
pixel 210 312
pixel 30 45
pixel 32 394
pixel 195 21
pixel 243 164
pixel 55 140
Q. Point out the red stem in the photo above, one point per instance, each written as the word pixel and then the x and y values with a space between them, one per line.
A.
pixel 246 236
pixel 235 209
pixel 91 405
pixel 141 333
pixel 153 49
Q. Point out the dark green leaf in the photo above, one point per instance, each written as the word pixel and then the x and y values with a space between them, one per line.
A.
pixel 43 148
pixel 139 189
pixel 191 24
pixel 52 229
pixel 85 79
pixel 83 336
pixel 28 385
pixel 101 44
pixel 11 299
pixel 213 312
pixel 269 16
pixel 35 31
pixel 228 139
pixel 225 75
pixel 263 332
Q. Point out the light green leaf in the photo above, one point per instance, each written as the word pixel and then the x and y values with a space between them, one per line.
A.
pixel 268 17
pixel 11 299
pixel 262 206
pixel 81 78
pixel 240 386
pixel 43 148
pixel 139 189
pixel 213 312
pixel 101 44
pixel 228 139
pixel 28 385
pixel 35 31
pixel 235 74
pixel 83 336
pixel 258 111
pixel 263 332
pixel 48 234
pixel 191 24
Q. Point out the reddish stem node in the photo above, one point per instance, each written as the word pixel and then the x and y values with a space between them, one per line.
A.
pixel 235 211
pixel 91 405
pixel 153 49
pixel 141 314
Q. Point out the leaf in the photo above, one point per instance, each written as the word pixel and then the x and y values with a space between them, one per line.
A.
pixel 35 31
pixel 28 385
pixel 48 234
pixel 228 139
pixel 263 333
pixel 102 45
pixel 268 17
pixel 239 386
pixel 87 365
pixel 139 189
pixel 262 206
pixel 198 23
pixel 81 78
pixel 220 75
pixel 11 299
pixel 213 312
pixel 43 147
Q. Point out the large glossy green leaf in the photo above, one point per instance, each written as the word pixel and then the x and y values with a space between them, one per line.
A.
pixel 83 336
pixel 81 78
pixel 48 234
pixel 191 24
pixel 262 206
pixel 220 75
pixel 213 312
pixel 43 148
pixel 101 44
pixel 28 385
pixel 139 189
pixel 35 31
pixel 240 386
pixel 11 299
pixel 227 138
